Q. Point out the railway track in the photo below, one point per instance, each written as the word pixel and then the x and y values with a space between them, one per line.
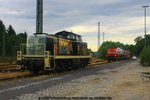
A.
pixel 9 67
pixel 11 70
pixel 12 67
pixel 97 61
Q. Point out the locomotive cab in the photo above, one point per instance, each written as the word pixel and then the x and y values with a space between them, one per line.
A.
pixel 36 45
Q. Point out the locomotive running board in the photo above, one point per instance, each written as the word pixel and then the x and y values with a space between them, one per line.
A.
pixel 71 57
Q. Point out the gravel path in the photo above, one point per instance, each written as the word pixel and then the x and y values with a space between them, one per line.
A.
pixel 120 81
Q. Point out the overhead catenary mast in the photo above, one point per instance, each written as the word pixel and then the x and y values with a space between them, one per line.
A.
pixel 103 37
pixel 39 16
pixel 145 21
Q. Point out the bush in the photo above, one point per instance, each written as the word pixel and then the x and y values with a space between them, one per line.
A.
pixel 102 52
pixel 145 56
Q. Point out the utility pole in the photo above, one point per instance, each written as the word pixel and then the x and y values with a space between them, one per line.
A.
pixel 39 16
pixel 98 43
pixel 145 21
pixel 103 37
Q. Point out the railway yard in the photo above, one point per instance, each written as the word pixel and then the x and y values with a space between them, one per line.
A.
pixel 123 80
pixel 61 61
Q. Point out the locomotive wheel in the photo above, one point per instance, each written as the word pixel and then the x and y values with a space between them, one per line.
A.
pixel 83 65
pixel 35 70
pixel 22 68
pixel 57 68
pixel 69 65
pixel 75 67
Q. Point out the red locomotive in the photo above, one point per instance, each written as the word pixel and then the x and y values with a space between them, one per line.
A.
pixel 114 54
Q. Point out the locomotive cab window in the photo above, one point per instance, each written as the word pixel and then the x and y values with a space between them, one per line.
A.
pixel 78 38
pixel 73 37
pixel 31 40
pixel 35 45
pixel 41 40
pixel 68 36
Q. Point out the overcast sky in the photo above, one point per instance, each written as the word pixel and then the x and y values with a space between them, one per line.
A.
pixel 121 20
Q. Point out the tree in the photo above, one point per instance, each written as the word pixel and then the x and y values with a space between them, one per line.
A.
pixel 131 48
pixel 140 44
pixel 138 39
pixel 145 56
pixel 2 28
pixel 147 39
pixel 102 52
pixel 21 37
pixel 11 31
pixel 2 38
pixel 12 41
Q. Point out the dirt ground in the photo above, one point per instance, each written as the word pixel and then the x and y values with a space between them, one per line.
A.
pixel 130 85
pixel 120 80
pixel 13 75
pixel 126 83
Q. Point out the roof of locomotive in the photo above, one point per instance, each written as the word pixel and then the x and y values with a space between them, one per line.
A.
pixel 65 33
pixel 69 35
pixel 59 34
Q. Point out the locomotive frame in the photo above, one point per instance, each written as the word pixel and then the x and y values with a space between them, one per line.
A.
pixel 50 59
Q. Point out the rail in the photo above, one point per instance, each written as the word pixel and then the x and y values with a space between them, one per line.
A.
pixel 5 67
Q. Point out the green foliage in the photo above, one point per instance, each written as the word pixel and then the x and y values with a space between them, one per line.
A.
pixel 140 44
pixel 12 41
pixel 2 28
pixel 21 37
pixel 139 47
pixel 2 36
pixel 138 39
pixel 134 49
pixel 131 49
pixel 102 52
pixel 11 31
pixel 145 56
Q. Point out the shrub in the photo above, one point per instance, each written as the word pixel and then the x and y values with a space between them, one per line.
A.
pixel 102 52
pixel 145 56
